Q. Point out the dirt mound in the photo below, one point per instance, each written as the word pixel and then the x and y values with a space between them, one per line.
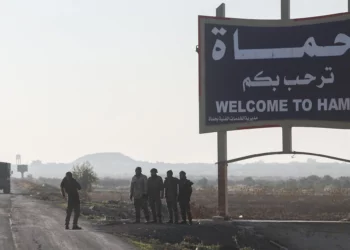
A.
pixel 38 191
pixel 226 234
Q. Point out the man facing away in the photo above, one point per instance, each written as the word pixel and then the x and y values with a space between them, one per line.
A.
pixel 155 194
pixel 185 192
pixel 71 187
pixel 171 185
pixel 138 191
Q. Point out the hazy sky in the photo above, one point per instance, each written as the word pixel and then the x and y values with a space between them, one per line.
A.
pixel 84 76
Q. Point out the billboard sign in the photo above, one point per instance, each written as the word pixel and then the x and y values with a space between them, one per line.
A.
pixel 22 168
pixel 265 73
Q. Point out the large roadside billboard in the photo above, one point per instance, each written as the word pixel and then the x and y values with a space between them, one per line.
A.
pixel 262 73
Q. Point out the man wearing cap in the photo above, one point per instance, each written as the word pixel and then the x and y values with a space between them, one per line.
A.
pixel 171 185
pixel 185 192
pixel 155 194
pixel 138 191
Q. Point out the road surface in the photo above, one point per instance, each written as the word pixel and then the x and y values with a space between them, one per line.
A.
pixel 26 223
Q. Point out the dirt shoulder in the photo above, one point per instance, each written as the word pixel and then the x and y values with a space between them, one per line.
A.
pixel 217 236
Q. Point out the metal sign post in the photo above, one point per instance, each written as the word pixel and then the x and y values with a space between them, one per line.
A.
pixel 286 130
pixel 222 154
pixel 285 9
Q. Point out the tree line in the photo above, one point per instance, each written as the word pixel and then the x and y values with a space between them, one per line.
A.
pixel 314 182
pixel 84 173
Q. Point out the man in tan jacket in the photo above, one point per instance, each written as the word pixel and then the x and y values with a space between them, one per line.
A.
pixel 138 191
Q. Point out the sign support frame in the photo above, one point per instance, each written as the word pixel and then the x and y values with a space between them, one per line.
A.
pixel 285 125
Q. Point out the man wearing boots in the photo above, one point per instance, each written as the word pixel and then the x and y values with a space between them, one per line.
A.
pixel 138 191
pixel 155 194
pixel 171 185
pixel 185 192
pixel 70 186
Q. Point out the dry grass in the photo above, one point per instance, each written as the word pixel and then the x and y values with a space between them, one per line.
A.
pixel 100 196
pixel 258 206
pixel 282 205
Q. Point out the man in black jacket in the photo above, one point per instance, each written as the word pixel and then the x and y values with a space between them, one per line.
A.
pixel 155 194
pixel 171 185
pixel 185 192
pixel 71 187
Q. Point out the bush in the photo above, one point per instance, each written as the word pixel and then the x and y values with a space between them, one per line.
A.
pixel 85 175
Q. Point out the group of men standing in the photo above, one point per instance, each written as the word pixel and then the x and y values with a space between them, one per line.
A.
pixel 143 190
pixel 152 190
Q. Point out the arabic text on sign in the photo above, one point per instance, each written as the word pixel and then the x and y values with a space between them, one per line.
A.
pixel 268 82
pixel 310 48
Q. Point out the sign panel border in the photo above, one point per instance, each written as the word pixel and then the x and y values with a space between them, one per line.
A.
pixel 202 20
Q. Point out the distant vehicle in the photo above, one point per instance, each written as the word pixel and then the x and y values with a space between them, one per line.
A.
pixel 5 177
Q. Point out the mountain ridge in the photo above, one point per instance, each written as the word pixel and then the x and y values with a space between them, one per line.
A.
pixel 118 165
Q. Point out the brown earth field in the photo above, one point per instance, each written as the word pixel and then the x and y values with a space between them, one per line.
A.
pixel 279 207
pixel 111 211
pixel 259 206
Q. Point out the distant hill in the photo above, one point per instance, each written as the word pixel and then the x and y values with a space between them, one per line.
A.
pixel 105 158
pixel 120 165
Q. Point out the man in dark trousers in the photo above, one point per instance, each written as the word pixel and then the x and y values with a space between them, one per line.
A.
pixel 155 194
pixel 70 186
pixel 185 192
pixel 138 191
pixel 171 185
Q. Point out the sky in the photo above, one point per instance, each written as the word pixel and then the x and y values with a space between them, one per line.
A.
pixel 89 76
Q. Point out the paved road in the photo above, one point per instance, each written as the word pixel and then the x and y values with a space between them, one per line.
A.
pixel 6 241
pixel 30 224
